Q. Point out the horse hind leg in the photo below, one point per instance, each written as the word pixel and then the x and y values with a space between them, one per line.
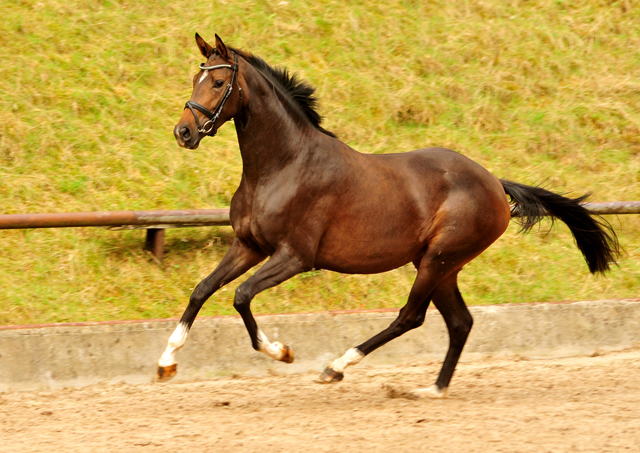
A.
pixel 449 302
pixel 411 316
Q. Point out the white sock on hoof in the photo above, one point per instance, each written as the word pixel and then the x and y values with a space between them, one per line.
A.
pixel 176 341
pixel 431 392
pixel 275 350
pixel 351 357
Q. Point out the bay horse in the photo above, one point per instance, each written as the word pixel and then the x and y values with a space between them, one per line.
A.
pixel 308 201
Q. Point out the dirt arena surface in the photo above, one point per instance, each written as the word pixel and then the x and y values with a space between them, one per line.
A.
pixel 495 405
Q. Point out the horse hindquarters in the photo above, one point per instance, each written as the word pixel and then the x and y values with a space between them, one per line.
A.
pixel 437 275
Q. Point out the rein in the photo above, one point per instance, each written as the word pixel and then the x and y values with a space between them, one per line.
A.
pixel 209 128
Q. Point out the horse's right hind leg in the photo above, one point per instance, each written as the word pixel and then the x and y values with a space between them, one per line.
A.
pixel 410 316
pixel 429 285
pixel 449 302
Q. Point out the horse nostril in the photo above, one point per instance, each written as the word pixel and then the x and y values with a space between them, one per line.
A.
pixel 185 133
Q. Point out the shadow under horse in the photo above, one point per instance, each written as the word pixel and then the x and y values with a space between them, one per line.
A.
pixel 308 201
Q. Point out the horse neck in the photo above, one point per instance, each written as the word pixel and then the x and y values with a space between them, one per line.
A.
pixel 270 135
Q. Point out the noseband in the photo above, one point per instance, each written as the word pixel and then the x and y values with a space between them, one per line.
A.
pixel 209 128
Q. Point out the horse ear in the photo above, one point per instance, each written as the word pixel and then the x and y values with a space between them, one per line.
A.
pixel 205 49
pixel 221 48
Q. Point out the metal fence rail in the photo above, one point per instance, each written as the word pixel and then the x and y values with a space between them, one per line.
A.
pixel 118 219
pixel 155 222
pixel 613 207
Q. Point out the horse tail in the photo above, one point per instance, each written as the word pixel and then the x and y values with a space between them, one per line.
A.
pixel 593 235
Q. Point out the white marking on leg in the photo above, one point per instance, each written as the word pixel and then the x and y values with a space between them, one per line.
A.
pixel 432 392
pixel 204 76
pixel 176 341
pixel 351 357
pixel 275 350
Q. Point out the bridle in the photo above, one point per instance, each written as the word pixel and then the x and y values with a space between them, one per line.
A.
pixel 209 128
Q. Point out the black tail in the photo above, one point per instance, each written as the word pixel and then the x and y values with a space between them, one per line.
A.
pixel 593 235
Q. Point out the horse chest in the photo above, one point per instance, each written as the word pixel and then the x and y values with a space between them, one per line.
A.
pixel 260 225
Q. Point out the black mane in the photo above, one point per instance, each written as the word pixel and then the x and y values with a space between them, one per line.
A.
pixel 300 93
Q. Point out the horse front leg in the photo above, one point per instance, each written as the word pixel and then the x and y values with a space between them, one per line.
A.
pixel 280 267
pixel 238 260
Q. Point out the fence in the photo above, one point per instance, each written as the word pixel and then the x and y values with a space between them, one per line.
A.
pixel 155 222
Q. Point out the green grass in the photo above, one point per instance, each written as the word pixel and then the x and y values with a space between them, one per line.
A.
pixel 538 92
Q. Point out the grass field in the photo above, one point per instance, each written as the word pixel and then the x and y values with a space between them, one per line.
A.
pixel 539 92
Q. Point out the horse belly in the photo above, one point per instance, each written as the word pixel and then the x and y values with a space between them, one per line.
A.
pixel 367 248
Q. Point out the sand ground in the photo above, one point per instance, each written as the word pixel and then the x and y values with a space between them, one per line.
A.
pixel 494 405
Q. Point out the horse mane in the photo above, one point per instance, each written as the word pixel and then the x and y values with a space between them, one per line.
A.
pixel 300 93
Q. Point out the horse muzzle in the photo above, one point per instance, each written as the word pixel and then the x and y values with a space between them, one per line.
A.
pixel 185 137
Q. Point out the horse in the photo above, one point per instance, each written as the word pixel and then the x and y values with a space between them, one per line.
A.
pixel 308 201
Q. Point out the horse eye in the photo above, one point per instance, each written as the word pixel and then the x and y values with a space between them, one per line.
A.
pixel 219 83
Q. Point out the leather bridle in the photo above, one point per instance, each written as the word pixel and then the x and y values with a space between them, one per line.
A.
pixel 209 128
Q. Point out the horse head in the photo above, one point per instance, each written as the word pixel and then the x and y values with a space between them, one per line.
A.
pixel 213 101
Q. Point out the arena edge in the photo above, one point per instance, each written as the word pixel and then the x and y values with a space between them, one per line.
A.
pixel 53 356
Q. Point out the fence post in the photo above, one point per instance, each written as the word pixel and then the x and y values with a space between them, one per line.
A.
pixel 155 242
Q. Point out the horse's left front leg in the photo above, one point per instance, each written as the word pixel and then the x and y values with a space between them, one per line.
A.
pixel 281 266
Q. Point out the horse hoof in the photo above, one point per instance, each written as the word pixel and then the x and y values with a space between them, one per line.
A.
pixel 287 354
pixel 432 392
pixel 329 375
pixel 165 373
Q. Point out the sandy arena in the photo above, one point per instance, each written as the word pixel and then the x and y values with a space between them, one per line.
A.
pixel 495 405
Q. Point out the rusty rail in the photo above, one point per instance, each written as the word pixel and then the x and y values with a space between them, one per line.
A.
pixel 613 207
pixel 155 222
pixel 118 219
